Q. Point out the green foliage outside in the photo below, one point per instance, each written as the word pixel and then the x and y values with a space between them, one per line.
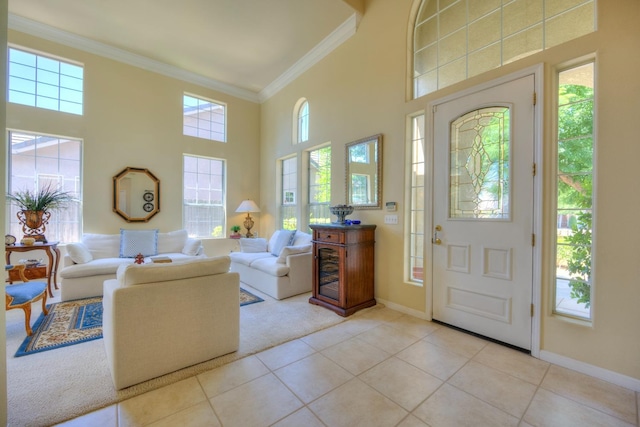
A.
pixel 575 183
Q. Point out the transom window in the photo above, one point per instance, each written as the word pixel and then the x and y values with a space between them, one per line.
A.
pixel 457 39
pixel 44 82
pixel 38 161
pixel 204 197
pixel 204 118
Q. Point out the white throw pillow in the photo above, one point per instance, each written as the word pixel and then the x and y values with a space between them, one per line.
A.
pixel 192 247
pixel 134 242
pixel 79 253
pixel 253 245
pixel 172 242
pixel 284 238
pixel 292 250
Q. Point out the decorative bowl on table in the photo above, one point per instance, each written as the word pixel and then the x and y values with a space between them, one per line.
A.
pixel 341 211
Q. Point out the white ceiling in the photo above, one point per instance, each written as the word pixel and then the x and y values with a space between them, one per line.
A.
pixel 244 46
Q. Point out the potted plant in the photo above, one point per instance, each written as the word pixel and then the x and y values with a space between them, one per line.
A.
pixel 36 206
pixel 235 232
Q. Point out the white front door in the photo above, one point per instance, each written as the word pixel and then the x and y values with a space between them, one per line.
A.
pixel 483 152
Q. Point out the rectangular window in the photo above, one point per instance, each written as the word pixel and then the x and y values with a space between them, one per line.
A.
pixel 319 185
pixel 37 161
pixel 43 82
pixel 288 205
pixel 416 208
pixel 204 118
pixel 574 186
pixel 204 197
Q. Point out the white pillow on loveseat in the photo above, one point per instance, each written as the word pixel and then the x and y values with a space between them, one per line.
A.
pixel 292 250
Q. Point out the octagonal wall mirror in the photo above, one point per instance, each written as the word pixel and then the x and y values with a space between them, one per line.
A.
pixel 136 194
pixel 364 173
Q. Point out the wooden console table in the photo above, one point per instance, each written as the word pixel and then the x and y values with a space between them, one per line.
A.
pixel 53 253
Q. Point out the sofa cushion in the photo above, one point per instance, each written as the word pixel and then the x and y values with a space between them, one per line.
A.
pixel 134 242
pixel 253 245
pixel 172 241
pixel 270 266
pixel 97 267
pixel 247 258
pixel 292 250
pixel 102 245
pixel 79 252
pixel 301 239
pixel 138 274
pixel 191 247
pixel 279 240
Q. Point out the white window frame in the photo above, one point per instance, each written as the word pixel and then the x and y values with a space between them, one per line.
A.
pixel 301 121
pixel 322 207
pixel 415 214
pixel 204 118
pixel 44 81
pixel 216 224
pixel 285 190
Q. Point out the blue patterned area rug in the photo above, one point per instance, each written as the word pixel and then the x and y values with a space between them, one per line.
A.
pixel 68 323
pixel 73 322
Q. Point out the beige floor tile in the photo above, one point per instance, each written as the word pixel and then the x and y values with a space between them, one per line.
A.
pixel 432 359
pixel 550 409
pixel 456 341
pixel 226 377
pixel 419 328
pixel 355 403
pixel 380 313
pixel 313 376
pixel 355 355
pixel 513 362
pixel 157 404
pixel 260 402
pixel 412 421
pixel 105 417
pixel 286 353
pixel 302 417
pixel 401 382
pixel 326 338
pixel 200 415
pixel 601 395
pixel 501 390
pixel 388 338
pixel 356 325
pixel 449 406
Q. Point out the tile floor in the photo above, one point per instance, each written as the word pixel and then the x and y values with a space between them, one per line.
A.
pixel 382 368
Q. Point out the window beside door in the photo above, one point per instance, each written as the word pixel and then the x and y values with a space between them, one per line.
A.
pixel 574 189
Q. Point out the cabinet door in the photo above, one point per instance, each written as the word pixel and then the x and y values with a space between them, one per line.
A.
pixel 329 270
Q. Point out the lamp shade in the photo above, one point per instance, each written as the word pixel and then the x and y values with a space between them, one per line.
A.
pixel 248 206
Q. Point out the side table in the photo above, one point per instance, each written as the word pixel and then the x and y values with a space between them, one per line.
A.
pixel 52 251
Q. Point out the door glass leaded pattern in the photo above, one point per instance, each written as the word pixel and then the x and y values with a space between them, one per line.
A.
pixel 457 39
pixel 416 242
pixel 479 172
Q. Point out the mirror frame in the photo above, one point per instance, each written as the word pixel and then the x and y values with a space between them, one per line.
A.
pixel 117 189
pixel 377 139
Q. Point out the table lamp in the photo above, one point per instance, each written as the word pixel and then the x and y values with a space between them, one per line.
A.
pixel 248 206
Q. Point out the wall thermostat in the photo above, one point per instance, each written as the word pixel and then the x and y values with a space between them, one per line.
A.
pixel 391 206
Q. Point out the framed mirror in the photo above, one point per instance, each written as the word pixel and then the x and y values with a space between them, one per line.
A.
pixel 364 173
pixel 136 194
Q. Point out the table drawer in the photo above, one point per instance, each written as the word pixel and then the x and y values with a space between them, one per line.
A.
pixel 329 236
pixel 31 273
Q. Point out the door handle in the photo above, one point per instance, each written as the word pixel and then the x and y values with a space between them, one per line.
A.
pixel 436 240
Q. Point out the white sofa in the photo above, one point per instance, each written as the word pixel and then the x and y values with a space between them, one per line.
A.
pixel 280 268
pixel 96 258
pixel 159 318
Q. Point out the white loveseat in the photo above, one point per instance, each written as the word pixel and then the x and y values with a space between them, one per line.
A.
pixel 88 263
pixel 159 318
pixel 280 268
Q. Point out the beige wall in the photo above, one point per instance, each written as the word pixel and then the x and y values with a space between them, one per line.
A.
pixel 133 117
pixel 359 90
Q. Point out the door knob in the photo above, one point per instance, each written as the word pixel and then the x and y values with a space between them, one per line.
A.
pixel 436 240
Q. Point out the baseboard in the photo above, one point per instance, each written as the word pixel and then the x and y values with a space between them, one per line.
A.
pixel 403 309
pixel 594 371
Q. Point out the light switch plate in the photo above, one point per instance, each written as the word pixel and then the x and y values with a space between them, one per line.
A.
pixel 391 219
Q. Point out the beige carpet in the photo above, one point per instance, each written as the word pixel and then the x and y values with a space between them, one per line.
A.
pixel 54 386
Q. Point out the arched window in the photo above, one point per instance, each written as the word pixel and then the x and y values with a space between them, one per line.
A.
pixel 457 39
pixel 301 120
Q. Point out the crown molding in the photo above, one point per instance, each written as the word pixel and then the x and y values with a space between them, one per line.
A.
pixel 327 45
pixel 47 32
